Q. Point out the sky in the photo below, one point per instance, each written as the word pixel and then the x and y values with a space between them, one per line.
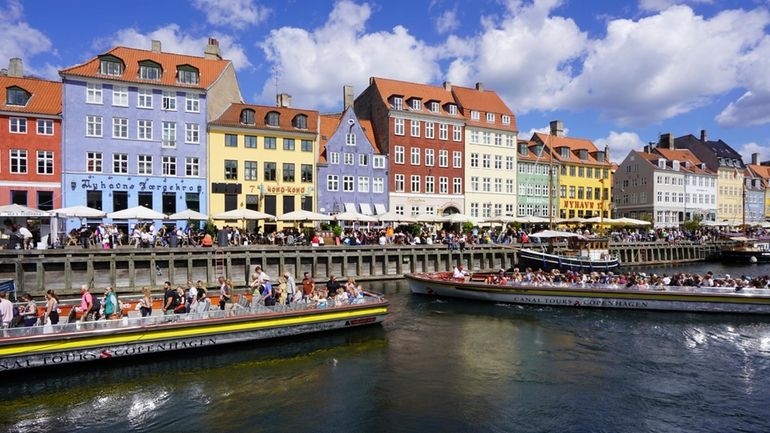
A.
pixel 618 72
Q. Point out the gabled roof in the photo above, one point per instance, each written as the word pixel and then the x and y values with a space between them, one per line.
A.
pixel 208 69
pixel 683 155
pixel 574 144
pixel 329 124
pixel 45 95
pixel 762 171
pixel 232 118
pixel 719 148
pixel 531 156
pixel 483 101
pixel 388 88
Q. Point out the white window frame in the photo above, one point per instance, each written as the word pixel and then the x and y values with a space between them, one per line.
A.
pixel 430 185
pixel 398 103
pixel 453 109
pixel 168 102
pixel 143 96
pixel 435 107
pixel 414 183
pixel 443 185
pixel 490 117
pixel 20 155
pixel 120 125
pixel 474 160
pixel 348 158
pixel 457 159
pixel 94 93
pixel 144 165
pixel 192 166
pixel 350 139
pixel 363 183
pixel 443 158
pixel 506 119
pixel 334 158
pixel 474 115
pixel 378 161
pixel 168 134
pixel 457 133
pixel 192 133
pixel 398 126
pixel 17 125
pixel 363 160
pixel 416 104
pixel 399 183
pixel 430 158
pixel 94 162
pixel 94 126
pixel 430 129
pixel 47 157
pixel 443 131
pixel 348 184
pixel 414 156
pixel 119 96
pixel 332 182
pixel 47 126
pixel 142 126
pixel 414 129
pixel 457 185
pixel 122 160
pixel 378 185
pixel 192 103
pixel 399 154
pixel 168 163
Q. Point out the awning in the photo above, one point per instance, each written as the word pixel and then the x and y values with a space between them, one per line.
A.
pixel 350 207
pixel 379 208
pixel 366 209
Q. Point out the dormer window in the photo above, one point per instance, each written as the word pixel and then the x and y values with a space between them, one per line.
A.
pixel 506 119
pixel 17 96
pixel 299 121
pixel 523 148
pixel 539 150
pixel 675 165
pixel 247 116
pixel 721 161
pixel 273 118
pixel 186 74
pixel 434 107
pixel 583 154
pixel 149 70
pixel 490 117
pixel 564 152
pixel 600 156
pixel 453 109
pixel 398 103
pixel 661 163
pixel 416 104
pixel 110 65
pixel 474 115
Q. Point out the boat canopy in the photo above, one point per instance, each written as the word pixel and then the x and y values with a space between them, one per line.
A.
pixel 555 234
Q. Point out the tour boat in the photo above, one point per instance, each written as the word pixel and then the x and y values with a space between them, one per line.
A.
pixel 746 250
pixel 38 346
pixel 581 255
pixel 702 299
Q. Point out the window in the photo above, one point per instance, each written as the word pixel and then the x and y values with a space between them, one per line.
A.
pixel 499 162
pixel 94 162
pixel 485 138
pixel 379 161
pixel 363 160
pixel 429 129
pixel 572 170
pixel 93 126
pixel 399 154
pixel 306 173
pixel 288 172
pixel 119 127
pixel 430 184
pixel 120 163
pixel 299 121
pixel 415 156
pixel 509 139
pixel 17 125
pixel 168 165
pixel 348 158
pixel 509 163
pixel 416 104
pixel 144 98
pixel 399 209
pixel 18 161
pixel 474 159
pixel 399 183
pixel 93 93
pixel 443 158
pixel 191 165
pixel 288 144
pixel 398 103
pixel 231 140
pixel 169 134
pixel 457 133
pixel 144 129
pixel 443 185
pixel 506 119
pixel 270 142
pixel 249 170
pixel 306 146
pixel 485 184
pixel 45 200
pixel 415 130
pixel 509 186
pixel 273 118
pixel 187 75
pixel 457 159
pixel 44 127
pixel 149 71
pixel 144 164
pixel 474 136
pixel 231 169
pixel 120 96
pixel 434 106
pixel 17 96
pixel 443 131
pixel 269 171
pixel 347 183
pixel 474 183
pixel 398 126
pixel 415 183
pixel 110 67
pixel 474 115
pixel 169 101
pixel 490 117
pixel 192 134
pixel 332 182
pixel 485 160
pixel 453 109
pixel 334 158
pixel 192 103
pixel 429 157
pixel 94 199
pixel 571 192
pixel 350 139
pixel 363 184
pixel 457 185
pixel 378 185
pixel 499 140
pixel 581 171
pixel 475 210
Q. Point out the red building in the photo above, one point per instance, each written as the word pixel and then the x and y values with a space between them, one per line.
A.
pixel 421 130
pixel 30 139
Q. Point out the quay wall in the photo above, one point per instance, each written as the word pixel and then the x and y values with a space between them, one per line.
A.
pixel 128 270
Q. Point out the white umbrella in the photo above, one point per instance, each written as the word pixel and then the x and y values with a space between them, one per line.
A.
pixel 17 210
pixel 600 220
pixel 459 218
pixel 636 222
pixel 573 220
pixel 764 224
pixel 429 218
pixel 392 217
pixel 136 213
pixel 188 214
pixel 546 234
pixel 78 212
pixel 354 216
pixel 531 219
pixel 303 215
pixel 243 214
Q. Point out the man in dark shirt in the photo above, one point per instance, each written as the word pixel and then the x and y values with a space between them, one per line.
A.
pixel 170 298
pixel 332 285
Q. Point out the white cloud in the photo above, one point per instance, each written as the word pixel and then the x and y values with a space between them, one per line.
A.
pixel 447 21
pixel 544 130
pixel 174 40
pixel 232 13
pixel 752 107
pixel 620 143
pixel 315 64
pixel 19 39
pixel 749 148
pixel 661 5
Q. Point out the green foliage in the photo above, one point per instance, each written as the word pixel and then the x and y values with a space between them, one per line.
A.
pixel 325 227
pixel 416 229
pixel 467 227
pixel 210 228
pixel 692 224
pixel 337 230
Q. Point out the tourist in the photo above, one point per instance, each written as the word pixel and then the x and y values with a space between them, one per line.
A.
pixel 29 313
pixel 6 311
pixel 111 306
pixel 281 295
pixel 181 307
pixel 192 295
pixel 145 302
pixel 89 306
pixel 266 297
pixel 170 299
pixel 51 314
pixel 459 271
pixel 203 303
pixel 291 288
pixel 308 286
pixel 225 295
pixel 26 236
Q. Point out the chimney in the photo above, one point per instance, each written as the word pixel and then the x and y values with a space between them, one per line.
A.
pixel 155 46
pixel 371 80
pixel 447 86
pixel 16 68
pixel 607 153
pixel 703 135
pixel 480 87
pixel 212 50
pixel 755 158
pixel 283 100
pixel 666 141
pixel 347 96
pixel 557 128
pixel 3 72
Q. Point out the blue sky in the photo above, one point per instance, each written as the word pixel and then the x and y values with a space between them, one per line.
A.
pixel 616 72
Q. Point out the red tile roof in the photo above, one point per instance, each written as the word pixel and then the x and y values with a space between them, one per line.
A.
pixel 762 171
pixel 208 69
pixel 232 117
pixel 388 88
pixel 531 156
pixel 329 124
pixel 683 155
pixel 483 101
pixel 45 99
pixel 574 144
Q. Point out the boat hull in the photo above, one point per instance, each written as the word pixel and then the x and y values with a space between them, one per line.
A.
pixel 581 298
pixel 746 257
pixel 71 348
pixel 540 260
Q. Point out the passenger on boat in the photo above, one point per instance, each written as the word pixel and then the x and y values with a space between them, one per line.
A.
pixel 88 308
pixel 191 294
pixel 225 295
pixel 145 302
pixel 6 311
pixel 111 306
pixel 51 308
pixel 280 292
pixel 267 295
pixel 459 271
pixel 308 286
pixel 332 285
pixel 170 298
pixel 293 294
pixel 29 313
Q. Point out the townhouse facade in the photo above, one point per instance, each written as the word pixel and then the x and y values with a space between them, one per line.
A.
pixel 535 162
pixel 762 171
pixel 421 130
pixel 30 139
pixel 136 127
pixel 700 183
pixel 755 190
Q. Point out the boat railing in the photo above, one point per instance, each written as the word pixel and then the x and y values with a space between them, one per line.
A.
pixel 238 310
pixel 637 288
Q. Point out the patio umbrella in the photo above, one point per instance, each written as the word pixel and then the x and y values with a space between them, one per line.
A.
pixel 17 210
pixel 573 220
pixel 600 220
pixel 243 214
pixel 188 214
pixel 392 217
pixel 459 218
pixel 354 216
pixel 303 215
pixel 636 222
pixel 531 219
pixel 136 213
pixel 547 234
pixel 429 218
pixel 78 212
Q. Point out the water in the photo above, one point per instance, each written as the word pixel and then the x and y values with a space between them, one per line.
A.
pixel 434 365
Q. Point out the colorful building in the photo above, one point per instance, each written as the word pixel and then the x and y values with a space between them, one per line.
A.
pixel 136 127
pixel 585 179
pixel 700 183
pixel 263 158
pixel 421 130
pixel 762 172
pixel 30 140
pixel 534 163
pixel 352 175
pixel 490 152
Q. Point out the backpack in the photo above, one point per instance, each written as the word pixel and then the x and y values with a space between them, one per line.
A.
pixel 97 303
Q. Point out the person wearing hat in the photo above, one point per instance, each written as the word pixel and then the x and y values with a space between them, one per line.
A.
pixel 293 294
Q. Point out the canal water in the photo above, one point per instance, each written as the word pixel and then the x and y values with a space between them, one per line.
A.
pixel 433 366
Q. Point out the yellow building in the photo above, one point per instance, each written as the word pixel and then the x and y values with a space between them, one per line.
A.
pixel 585 177
pixel 730 194
pixel 263 158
